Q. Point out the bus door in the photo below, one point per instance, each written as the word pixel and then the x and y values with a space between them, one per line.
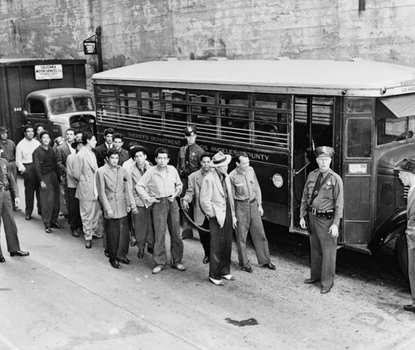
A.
pixel 313 126
pixel 357 170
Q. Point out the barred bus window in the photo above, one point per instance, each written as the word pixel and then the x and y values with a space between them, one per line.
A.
pixel 175 107
pixel 359 140
pixel 203 112
pixel 150 108
pixel 128 107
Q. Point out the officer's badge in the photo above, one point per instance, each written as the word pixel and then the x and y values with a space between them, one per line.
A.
pixel 329 184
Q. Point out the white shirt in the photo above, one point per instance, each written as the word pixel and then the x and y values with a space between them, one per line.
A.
pixel 24 152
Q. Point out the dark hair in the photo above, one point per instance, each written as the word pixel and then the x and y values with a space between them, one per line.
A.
pixel 38 125
pixel 44 132
pixel 78 131
pixel 86 136
pixel 28 126
pixel 118 135
pixel 205 155
pixel 238 155
pixel 161 150
pixel 108 131
pixel 111 151
pixel 70 129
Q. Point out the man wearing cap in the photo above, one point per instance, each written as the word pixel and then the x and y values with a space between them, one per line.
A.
pixel 248 208
pixel 323 202
pixel 8 185
pixel 216 201
pixel 9 153
pixel 47 172
pixel 406 168
pixel 24 162
pixel 159 187
pixel 101 150
pixel 188 161
pixel 141 215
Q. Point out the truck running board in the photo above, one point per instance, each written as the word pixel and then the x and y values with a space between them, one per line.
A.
pixel 361 248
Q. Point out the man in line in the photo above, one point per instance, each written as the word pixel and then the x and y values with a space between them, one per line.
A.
pixel 101 150
pixel 188 161
pixel 7 185
pixel 192 195
pixel 24 162
pixel 159 187
pixel 216 201
pixel 75 221
pixel 9 153
pixel 85 168
pixel 323 201
pixel 406 168
pixel 47 172
pixel 117 144
pixel 248 207
pixel 116 200
pixel 142 216
pixel 39 127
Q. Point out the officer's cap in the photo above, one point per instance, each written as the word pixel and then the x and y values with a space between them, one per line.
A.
pixel 324 151
pixel 407 165
pixel 190 130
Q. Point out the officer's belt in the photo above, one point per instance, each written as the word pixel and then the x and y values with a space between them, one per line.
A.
pixel 246 200
pixel 321 213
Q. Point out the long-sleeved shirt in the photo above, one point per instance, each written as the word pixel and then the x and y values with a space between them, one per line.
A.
pixel 24 152
pixel 159 184
pixel 9 150
pixel 245 185
pixel 45 162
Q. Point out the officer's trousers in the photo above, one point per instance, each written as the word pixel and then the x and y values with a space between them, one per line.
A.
pixel 10 229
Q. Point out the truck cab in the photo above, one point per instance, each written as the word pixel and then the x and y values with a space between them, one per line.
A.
pixel 61 108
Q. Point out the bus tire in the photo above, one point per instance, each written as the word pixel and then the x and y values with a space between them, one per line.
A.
pixel 401 251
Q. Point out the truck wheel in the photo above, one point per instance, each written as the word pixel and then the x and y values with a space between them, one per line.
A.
pixel 401 251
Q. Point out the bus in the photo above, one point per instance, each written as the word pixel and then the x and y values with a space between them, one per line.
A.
pixel 278 111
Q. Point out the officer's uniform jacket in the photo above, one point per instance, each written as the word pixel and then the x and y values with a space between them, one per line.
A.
pixel 329 197
pixel 195 152
pixel 410 213
pixel 113 193
pixel 212 197
pixel 7 180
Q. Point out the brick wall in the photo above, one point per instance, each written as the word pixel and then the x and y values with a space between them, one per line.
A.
pixel 135 31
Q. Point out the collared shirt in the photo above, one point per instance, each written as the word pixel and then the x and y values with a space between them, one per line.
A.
pixel 71 149
pixel 245 185
pixel 24 152
pixel 9 150
pixel 159 184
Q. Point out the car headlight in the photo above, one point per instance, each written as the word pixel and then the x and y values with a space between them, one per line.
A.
pixel 277 180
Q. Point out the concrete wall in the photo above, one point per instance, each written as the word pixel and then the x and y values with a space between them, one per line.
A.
pixel 142 30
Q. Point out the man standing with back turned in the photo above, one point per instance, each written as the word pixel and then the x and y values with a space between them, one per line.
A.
pixel 323 201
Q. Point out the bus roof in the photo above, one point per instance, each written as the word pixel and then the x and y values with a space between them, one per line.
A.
pixel 323 77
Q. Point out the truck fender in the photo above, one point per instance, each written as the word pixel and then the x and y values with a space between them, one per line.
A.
pixel 390 224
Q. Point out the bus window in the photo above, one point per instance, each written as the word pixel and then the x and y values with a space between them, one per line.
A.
pixel 128 106
pixel 203 111
pixel 388 129
pixel 359 140
pixel 150 108
pixel 235 121
pixel 359 106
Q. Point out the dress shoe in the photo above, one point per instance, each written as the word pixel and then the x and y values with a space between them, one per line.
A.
pixel 140 254
pixel 180 267
pixel 216 282
pixel 311 281
pixel 88 244
pixel 96 237
pixel 409 308
pixel 157 270
pixel 80 232
pixel 75 233
pixel 28 217
pixel 19 253
pixel 206 259
pixel 247 268
pixel 125 261
pixel 115 264
pixel 229 277
pixel 2 259
pixel 325 290
pixel 106 253
pixel 133 242
pixel 17 209
pixel 270 266
pixel 150 250
pixel 48 229
pixel 56 225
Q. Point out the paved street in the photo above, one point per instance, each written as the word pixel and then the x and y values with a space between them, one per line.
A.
pixel 64 296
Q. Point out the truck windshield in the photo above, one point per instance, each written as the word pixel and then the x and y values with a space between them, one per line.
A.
pixel 63 105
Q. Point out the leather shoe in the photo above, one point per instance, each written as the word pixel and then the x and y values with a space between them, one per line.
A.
pixel 206 259
pixel 75 233
pixel 106 253
pixel 133 242
pixel 2 259
pixel 140 254
pixel 48 229
pixel 325 290
pixel 150 250
pixel 180 267
pixel 157 269
pixel 28 217
pixel 409 308
pixel 270 266
pixel 17 209
pixel 19 253
pixel 247 268
pixel 125 261
pixel 115 264
pixel 311 281
pixel 56 225
pixel 216 282
pixel 229 277
pixel 88 244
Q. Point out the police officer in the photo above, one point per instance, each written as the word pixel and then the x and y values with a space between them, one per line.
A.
pixel 188 161
pixel 406 168
pixel 323 202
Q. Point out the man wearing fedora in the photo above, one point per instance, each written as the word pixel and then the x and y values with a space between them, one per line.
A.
pixel 322 200
pixel 141 215
pixel 216 201
pixel 9 153
pixel 406 169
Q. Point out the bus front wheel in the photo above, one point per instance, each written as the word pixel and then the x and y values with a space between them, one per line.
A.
pixel 401 251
